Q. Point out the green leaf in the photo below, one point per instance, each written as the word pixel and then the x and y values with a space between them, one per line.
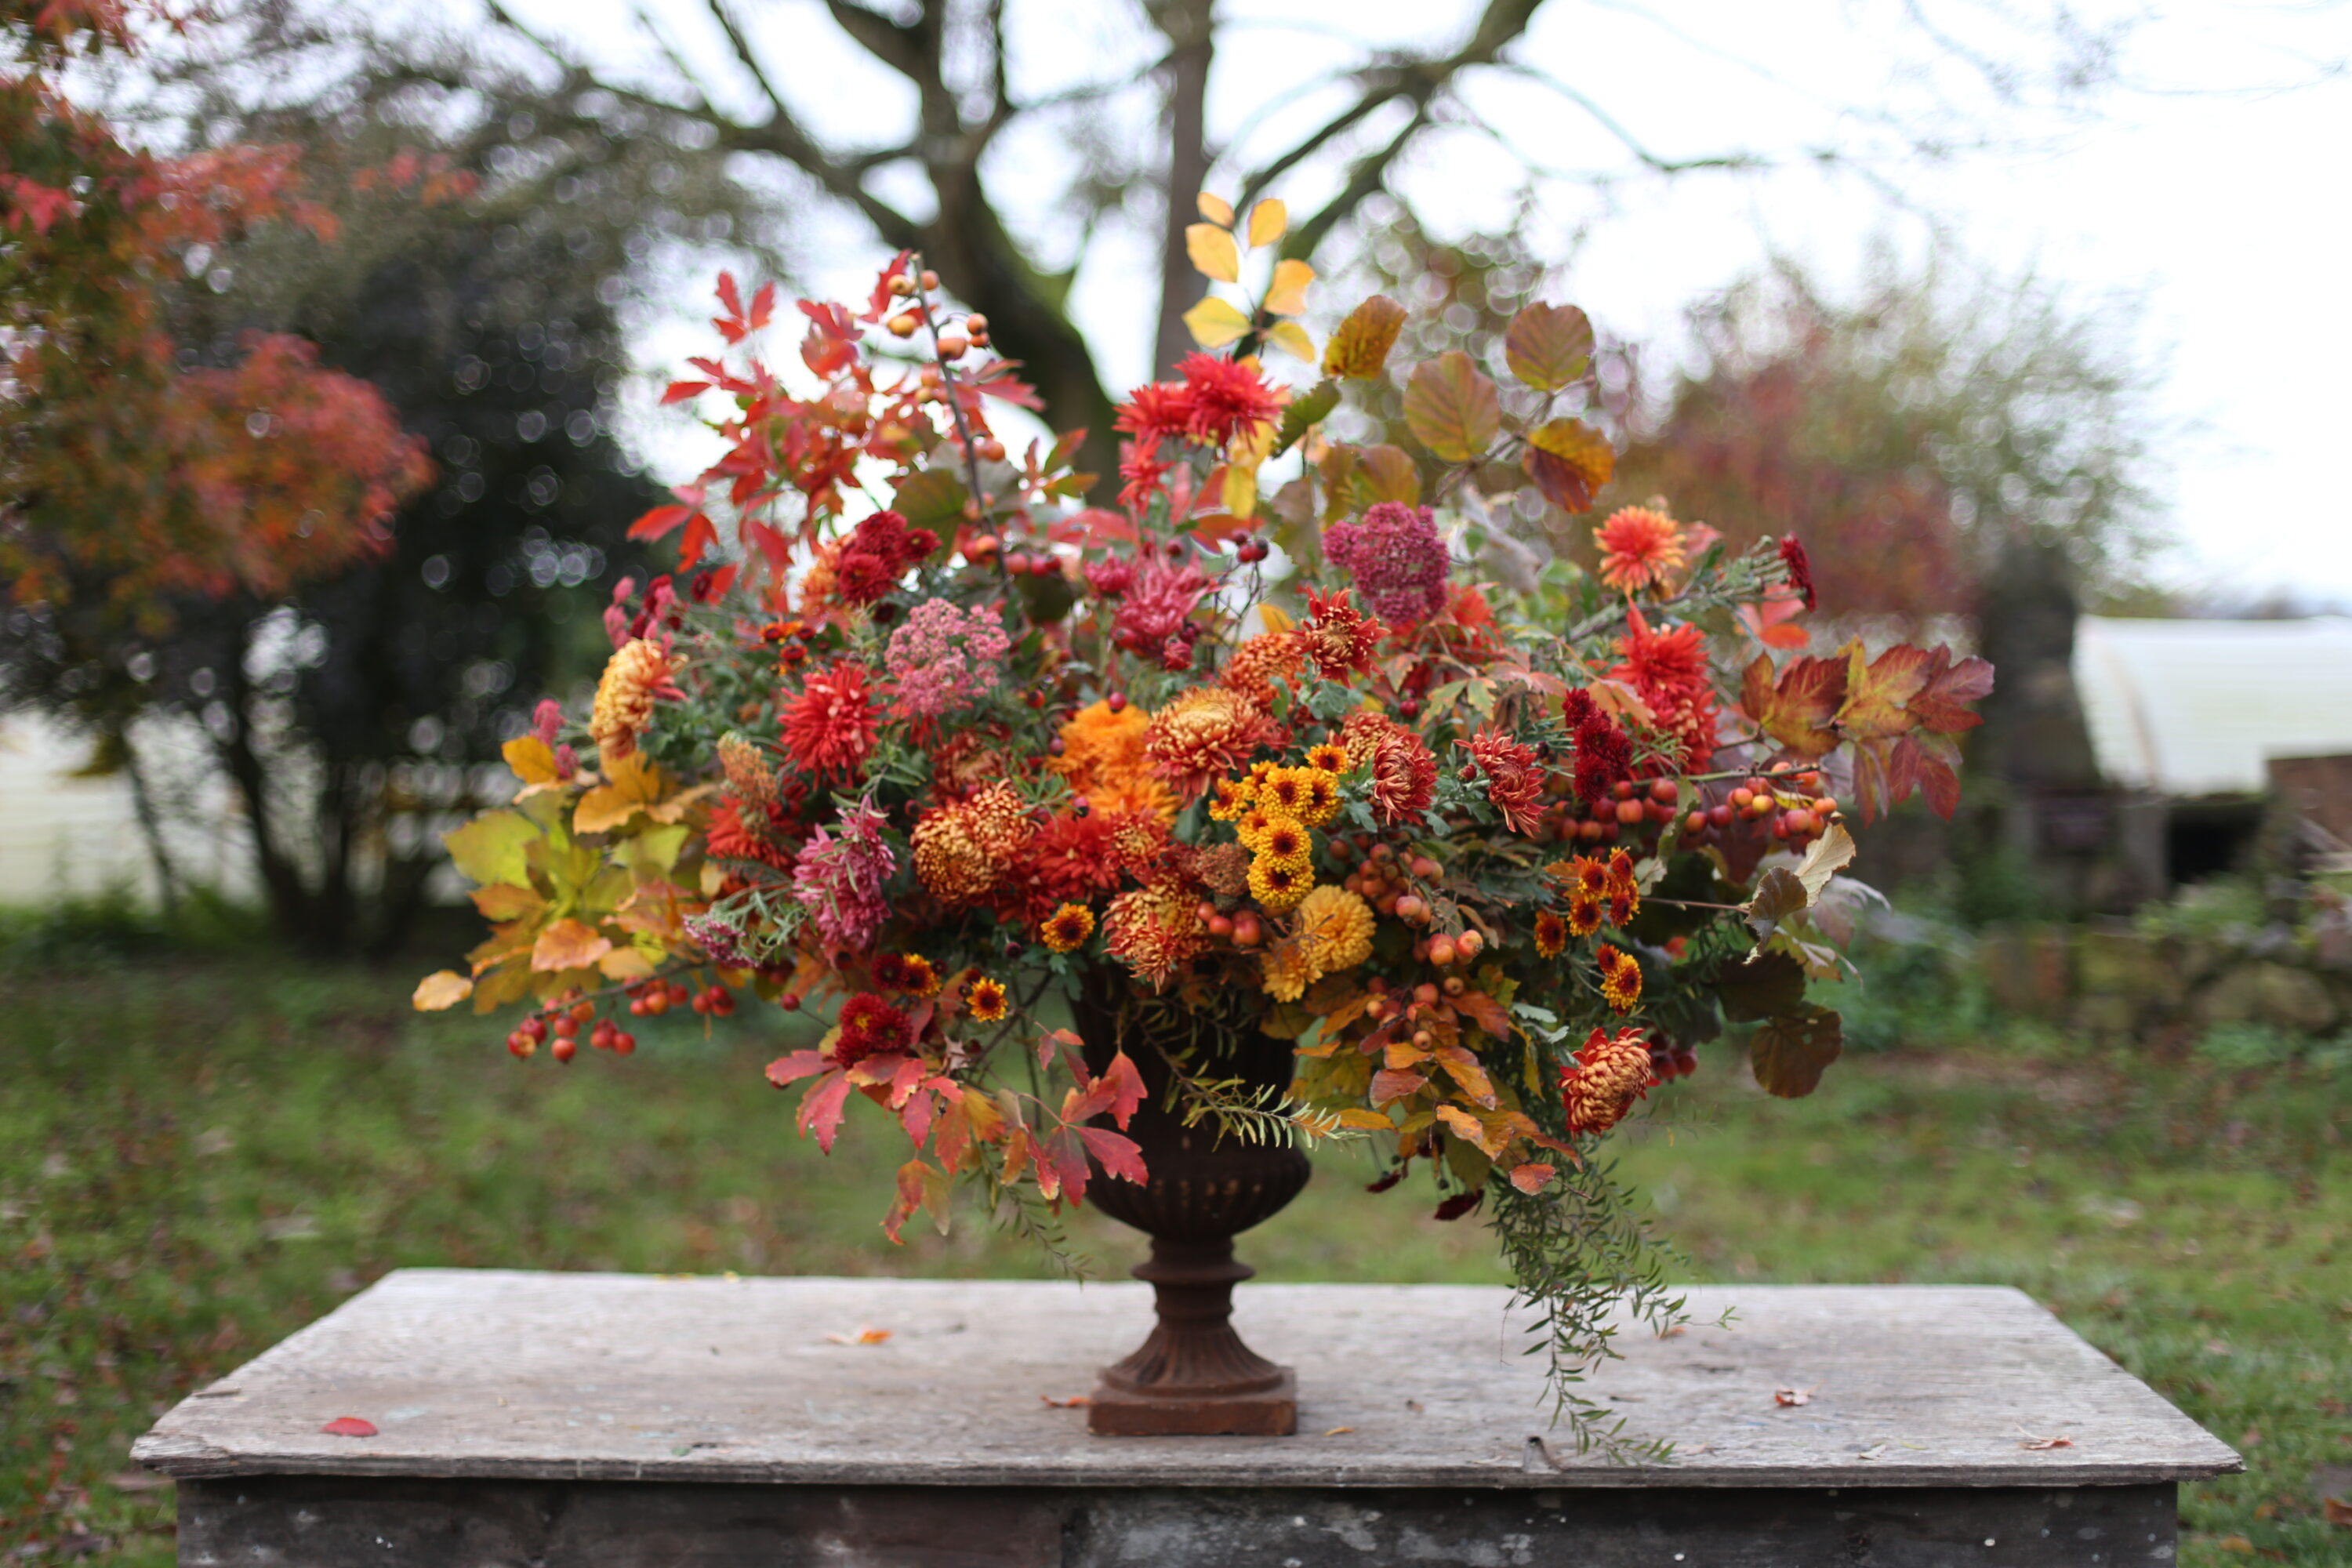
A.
pixel 1770 985
pixel 933 496
pixel 490 848
pixel 1548 346
pixel 1452 407
pixel 1304 414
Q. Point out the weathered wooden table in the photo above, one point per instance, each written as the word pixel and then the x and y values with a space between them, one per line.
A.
pixel 559 1420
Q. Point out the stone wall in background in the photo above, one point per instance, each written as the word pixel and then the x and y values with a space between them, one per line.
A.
pixel 2119 985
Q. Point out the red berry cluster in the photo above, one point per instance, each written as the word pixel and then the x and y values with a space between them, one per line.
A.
pixel 1669 1061
pixel 563 1023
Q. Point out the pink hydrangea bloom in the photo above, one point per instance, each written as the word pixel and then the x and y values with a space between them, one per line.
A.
pixel 1396 559
pixel 840 875
pixel 944 658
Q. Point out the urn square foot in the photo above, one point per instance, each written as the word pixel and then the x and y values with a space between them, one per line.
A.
pixel 1273 1413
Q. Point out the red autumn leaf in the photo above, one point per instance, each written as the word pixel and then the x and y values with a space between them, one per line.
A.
pixel 660 521
pixel 1569 461
pixel 822 1106
pixel 1486 1011
pixel 1118 1155
pixel 1787 1398
pixel 2043 1445
pixel 764 305
pixel 1075 1402
pixel 1532 1178
pixel 791 1069
pixel 700 538
pixel 1878 691
pixel 1941 703
pixel 1393 1084
pixel 679 391
pixel 1795 708
pixel 348 1426
pixel 1126 1086
pixel 729 295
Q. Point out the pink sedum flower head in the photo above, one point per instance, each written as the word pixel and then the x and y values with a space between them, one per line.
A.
pixel 944 658
pixel 1396 558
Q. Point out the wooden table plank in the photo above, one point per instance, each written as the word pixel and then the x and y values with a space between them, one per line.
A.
pixel 522 1376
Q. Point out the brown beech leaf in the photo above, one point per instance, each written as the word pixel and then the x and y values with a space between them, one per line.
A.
pixel 1779 894
pixel 2335 1510
pixel 1548 346
pixel 1360 347
pixel 1769 985
pixel 1569 461
pixel 1451 408
pixel 348 1426
pixel 1385 473
pixel 1789 1055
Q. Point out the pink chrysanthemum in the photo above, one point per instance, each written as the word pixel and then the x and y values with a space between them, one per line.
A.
pixel 840 875
pixel 944 658
pixel 1396 558
pixel 1158 602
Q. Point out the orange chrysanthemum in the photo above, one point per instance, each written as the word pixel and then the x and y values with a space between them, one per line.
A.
pixel 985 1000
pixel 1261 660
pixel 748 776
pixel 1584 915
pixel 1639 548
pixel 963 850
pixel 1329 757
pixel 1621 977
pixel 1279 884
pixel 1404 772
pixel 1205 732
pixel 1153 930
pixel 1624 892
pixel 1551 933
pixel 1610 1072
pixel 638 674
pixel 1066 928
pixel 1103 759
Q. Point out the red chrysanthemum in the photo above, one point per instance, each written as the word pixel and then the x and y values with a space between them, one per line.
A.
pixel 1153 930
pixel 1801 568
pixel 1143 472
pixel 829 726
pixel 1551 933
pixel 1227 397
pixel 1604 754
pixel 740 831
pixel 1339 637
pixel 1070 860
pixel 1639 548
pixel 1158 605
pixel 870 1027
pixel 881 551
pixel 1670 671
pixel 1610 1072
pixel 1155 411
pixel 1515 783
pixel 1403 770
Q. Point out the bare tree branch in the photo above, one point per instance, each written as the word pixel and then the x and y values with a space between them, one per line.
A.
pixel 742 48
pixel 1190 27
pixel 899 47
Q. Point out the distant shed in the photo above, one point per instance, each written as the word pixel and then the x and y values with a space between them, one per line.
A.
pixel 2192 714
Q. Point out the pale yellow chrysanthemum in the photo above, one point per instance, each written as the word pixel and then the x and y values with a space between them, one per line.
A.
pixel 1290 968
pixel 1336 925
pixel 638 672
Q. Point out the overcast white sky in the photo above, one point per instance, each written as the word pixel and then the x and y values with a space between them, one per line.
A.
pixel 2211 185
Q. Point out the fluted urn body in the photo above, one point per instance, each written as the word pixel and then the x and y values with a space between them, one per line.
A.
pixel 1192 1376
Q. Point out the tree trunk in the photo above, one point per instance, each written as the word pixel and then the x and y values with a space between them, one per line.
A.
pixel 151 827
pixel 1189 26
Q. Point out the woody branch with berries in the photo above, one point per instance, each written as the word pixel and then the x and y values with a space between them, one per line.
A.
pixel 918 743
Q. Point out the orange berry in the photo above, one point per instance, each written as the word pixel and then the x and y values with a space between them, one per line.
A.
pixel 1629 812
pixel 903 324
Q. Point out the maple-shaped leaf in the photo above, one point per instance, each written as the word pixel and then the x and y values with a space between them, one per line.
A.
pixel 822 1106
pixel 1796 708
pixel 1878 691
pixel 533 761
pixel 1118 1155
pixel 1940 704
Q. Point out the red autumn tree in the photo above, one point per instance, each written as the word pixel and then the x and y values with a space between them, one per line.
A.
pixel 130 475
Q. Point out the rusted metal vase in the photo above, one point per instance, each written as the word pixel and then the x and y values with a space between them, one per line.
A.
pixel 1193 1376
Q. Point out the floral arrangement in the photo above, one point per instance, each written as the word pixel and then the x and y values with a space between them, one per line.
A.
pixel 931 747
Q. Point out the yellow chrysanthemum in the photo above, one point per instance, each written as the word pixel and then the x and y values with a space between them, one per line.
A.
pixel 637 674
pixel 1336 925
pixel 986 1000
pixel 1279 884
pixel 1290 968
pixel 1621 978
pixel 1331 759
pixel 1228 798
pixel 1551 933
pixel 1066 928
pixel 1322 802
pixel 1283 790
pixel 1250 826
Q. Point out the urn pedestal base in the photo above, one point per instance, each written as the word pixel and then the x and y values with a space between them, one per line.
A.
pixel 1193 1377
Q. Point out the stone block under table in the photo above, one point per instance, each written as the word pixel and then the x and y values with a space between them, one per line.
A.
pixel 567 1420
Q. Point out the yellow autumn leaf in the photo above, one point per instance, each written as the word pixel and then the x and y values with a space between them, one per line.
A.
pixel 1214 323
pixel 1213 252
pixel 1269 220
pixel 1286 294
pixel 490 848
pixel 1360 347
pixel 624 963
pixel 442 989
pixel 533 761
pixel 505 902
pixel 1241 490
pixel 633 785
pixel 568 944
pixel 1277 619
pixel 1366 1121
pixel 1216 209
pixel 1292 338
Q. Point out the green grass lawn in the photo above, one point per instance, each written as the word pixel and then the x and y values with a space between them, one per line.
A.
pixel 196 1157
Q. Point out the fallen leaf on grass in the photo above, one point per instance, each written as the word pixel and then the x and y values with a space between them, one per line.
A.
pixel 1074 1402
pixel 348 1426
pixel 1335 1431
pixel 2335 1510
pixel 862 1337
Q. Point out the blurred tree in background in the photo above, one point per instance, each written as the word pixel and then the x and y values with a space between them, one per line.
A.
pixel 1912 436
pixel 353 707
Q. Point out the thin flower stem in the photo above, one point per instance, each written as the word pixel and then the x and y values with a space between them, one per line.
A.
pixel 955 404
